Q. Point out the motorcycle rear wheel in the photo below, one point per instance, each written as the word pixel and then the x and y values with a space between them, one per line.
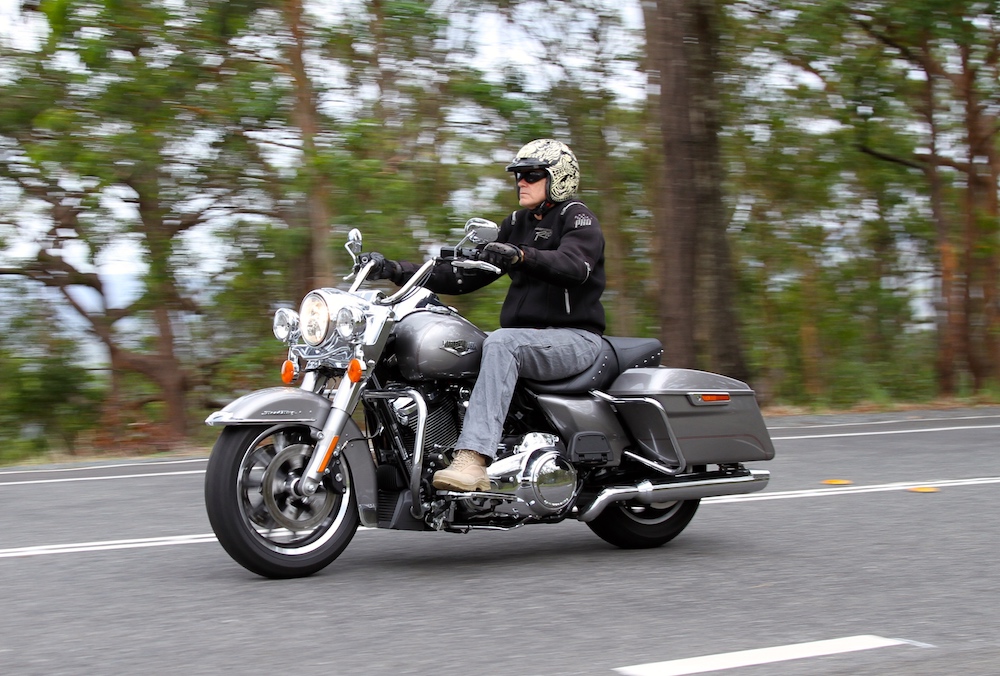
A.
pixel 260 523
pixel 632 525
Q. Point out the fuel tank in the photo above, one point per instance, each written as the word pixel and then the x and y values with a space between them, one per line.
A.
pixel 435 343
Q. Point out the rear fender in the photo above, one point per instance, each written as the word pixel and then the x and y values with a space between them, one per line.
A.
pixel 278 405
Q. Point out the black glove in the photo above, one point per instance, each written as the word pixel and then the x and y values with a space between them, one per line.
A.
pixel 503 255
pixel 383 268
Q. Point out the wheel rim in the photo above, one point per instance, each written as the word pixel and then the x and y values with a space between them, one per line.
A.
pixel 280 521
pixel 657 512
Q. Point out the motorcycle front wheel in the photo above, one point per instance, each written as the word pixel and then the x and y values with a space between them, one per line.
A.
pixel 633 525
pixel 259 521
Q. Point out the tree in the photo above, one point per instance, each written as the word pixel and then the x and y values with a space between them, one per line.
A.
pixel 682 39
pixel 47 398
pixel 917 84
pixel 126 125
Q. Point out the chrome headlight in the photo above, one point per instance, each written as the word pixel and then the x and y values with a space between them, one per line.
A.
pixel 351 322
pixel 330 318
pixel 286 323
pixel 315 319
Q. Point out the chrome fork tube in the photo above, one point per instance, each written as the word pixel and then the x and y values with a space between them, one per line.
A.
pixel 328 438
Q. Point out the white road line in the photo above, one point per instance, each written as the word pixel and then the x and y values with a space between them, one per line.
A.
pixel 100 478
pixel 85 468
pixel 208 537
pixel 201 460
pixel 106 545
pixel 852 490
pixel 882 422
pixel 746 658
pixel 876 434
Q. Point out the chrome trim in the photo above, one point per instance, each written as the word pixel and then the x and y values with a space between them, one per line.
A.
pixel 646 492
pixel 625 401
pixel 416 508
pixel 362 276
pixel 649 463
pixel 417 279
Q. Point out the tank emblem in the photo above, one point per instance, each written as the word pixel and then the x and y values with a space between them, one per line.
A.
pixel 459 348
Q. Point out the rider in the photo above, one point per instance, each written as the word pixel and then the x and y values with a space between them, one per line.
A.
pixel 552 318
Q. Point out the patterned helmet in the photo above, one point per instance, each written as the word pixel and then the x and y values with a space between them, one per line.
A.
pixel 557 159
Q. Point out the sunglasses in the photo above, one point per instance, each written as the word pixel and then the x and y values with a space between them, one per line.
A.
pixel 533 176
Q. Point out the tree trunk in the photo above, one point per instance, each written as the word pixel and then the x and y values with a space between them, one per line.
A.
pixel 306 117
pixel 623 312
pixel 170 377
pixel 978 250
pixel 676 245
pixel 811 352
pixel 947 308
pixel 724 346
pixel 683 42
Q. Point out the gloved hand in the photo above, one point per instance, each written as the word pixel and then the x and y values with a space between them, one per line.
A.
pixel 503 255
pixel 383 268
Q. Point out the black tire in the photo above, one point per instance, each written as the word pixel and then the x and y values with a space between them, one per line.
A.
pixel 261 525
pixel 632 525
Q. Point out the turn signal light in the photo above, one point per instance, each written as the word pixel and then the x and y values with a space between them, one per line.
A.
pixel 355 370
pixel 714 398
pixel 288 372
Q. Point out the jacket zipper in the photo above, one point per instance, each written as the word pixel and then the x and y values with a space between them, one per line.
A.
pixel 566 291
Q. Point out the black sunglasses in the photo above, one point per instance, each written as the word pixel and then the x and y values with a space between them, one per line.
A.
pixel 533 176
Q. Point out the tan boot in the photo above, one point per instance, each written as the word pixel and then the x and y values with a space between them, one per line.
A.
pixel 467 472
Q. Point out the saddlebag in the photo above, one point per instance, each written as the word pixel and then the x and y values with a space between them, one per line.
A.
pixel 687 418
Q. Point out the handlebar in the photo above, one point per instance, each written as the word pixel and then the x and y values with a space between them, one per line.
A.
pixel 463 258
pixel 468 259
pixel 412 283
pixel 362 276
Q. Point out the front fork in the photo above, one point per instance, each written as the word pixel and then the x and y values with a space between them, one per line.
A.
pixel 325 450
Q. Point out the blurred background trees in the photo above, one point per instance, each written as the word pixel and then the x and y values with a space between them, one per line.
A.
pixel 802 194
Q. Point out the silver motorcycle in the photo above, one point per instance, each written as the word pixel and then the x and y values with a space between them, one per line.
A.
pixel 628 447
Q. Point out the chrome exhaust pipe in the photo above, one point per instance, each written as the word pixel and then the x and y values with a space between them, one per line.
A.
pixel 648 493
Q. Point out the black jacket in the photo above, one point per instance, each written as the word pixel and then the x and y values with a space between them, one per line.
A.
pixel 560 281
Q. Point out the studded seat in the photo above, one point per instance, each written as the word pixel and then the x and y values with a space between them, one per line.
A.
pixel 617 355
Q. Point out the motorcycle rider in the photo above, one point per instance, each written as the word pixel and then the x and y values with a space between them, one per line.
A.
pixel 552 318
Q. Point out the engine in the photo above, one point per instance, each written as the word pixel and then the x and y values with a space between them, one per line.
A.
pixel 443 420
pixel 536 481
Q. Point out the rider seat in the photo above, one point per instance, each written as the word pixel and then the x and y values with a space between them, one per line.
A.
pixel 617 355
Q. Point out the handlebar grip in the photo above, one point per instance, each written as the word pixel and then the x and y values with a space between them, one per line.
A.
pixel 455 252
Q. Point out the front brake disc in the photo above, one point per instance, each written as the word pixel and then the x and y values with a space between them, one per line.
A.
pixel 289 510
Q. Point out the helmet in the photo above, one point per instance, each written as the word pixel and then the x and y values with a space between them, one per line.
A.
pixel 557 159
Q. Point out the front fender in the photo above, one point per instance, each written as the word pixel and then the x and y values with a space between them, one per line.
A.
pixel 276 405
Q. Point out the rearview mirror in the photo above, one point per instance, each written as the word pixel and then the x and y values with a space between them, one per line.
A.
pixel 354 242
pixel 481 231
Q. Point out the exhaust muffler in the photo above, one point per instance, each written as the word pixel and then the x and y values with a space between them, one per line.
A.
pixel 646 492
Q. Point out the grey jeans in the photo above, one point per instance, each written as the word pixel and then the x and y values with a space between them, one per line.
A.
pixel 538 354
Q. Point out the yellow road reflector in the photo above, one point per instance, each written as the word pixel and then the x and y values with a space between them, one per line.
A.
pixel 923 489
pixel 838 482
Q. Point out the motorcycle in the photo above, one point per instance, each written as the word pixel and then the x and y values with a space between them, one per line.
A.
pixel 628 447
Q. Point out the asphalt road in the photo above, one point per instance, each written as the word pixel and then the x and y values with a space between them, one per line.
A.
pixel 111 568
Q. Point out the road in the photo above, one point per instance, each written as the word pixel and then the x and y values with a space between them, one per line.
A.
pixel 111 568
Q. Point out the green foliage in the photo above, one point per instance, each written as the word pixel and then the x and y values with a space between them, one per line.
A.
pixel 179 127
pixel 48 397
